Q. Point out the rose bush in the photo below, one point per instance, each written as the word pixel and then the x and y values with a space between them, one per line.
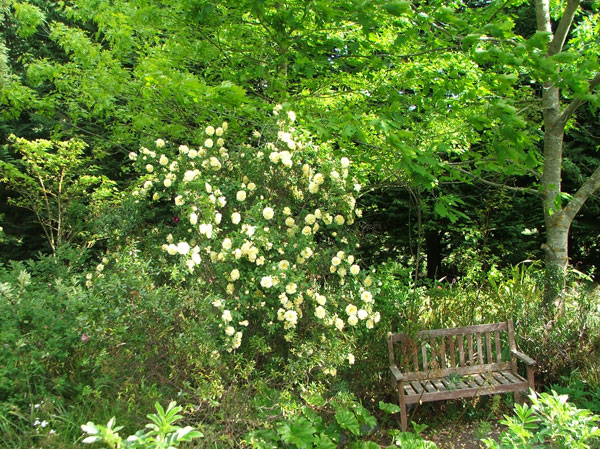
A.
pixel 265 226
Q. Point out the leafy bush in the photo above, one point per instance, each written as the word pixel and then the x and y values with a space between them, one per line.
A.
pixel 580 392
pixel 264 231
pixel 39 332
pixel 321 423
pixel 162 432
pixel 550 420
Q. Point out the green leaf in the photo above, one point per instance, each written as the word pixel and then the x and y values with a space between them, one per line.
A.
pixel 398 8
pixel 389 408
pixel 440 209
pixel 347 421
pixel 469 40
pixel 539 40
pixel 324 442
pixel 566 57
pixel 298 431
pixel 364 445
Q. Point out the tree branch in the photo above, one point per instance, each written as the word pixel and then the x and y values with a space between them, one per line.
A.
pixel 497 184
pixel 589 187
pixel 560 36
pixel 570 110
pixel 493 16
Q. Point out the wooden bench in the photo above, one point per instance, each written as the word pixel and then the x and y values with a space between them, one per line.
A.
pixel 434 365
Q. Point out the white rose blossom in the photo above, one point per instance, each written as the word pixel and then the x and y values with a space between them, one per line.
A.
pixel 268 213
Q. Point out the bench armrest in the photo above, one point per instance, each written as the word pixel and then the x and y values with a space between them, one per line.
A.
pixel 396 373
pixel 526 359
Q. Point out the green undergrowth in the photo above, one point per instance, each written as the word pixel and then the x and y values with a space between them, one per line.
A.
pixel 75 352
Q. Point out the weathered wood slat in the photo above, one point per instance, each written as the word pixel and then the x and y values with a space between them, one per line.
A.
pixel 470 348
pixel 512 344
pixel 488 346
pixel 450 385
pixel 415 358
pixel 438 384
pixel 461 371
pixel 452 354
pixel 461 383
pixel 500 378
pixel 471 382
pixel 479 379
pixel 490 379
pixel 479 350
pixel 465 393
pixel 498 348
pixel 428 386
pixel 443 353
pixel 514 378
pixel 452 331
pixel 424 352
pixel 408 389
pixel 417 387
pixel 432 360
pixel 478 328
pixel 461 349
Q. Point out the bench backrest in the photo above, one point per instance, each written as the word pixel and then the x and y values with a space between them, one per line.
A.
pixel 461 350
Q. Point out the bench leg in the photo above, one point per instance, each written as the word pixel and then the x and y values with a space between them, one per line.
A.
pixel 402 402
pixel 518 397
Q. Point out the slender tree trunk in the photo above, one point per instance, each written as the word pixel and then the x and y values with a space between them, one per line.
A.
pixel 559 214
pixel 556 261
pixel 557 222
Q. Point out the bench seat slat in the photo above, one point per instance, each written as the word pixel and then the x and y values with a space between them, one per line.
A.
pixel 439 385
pixel 417 387
pixel 461 371
pixel 491 380
pixel 480 380
pixel 500 378
pixel 462 385
pixel 428 386
pixel 471 382
pixel 408 390
pixel 514 378
pixel 466 392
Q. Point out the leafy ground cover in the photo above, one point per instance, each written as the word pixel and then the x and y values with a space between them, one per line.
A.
pixel 114 347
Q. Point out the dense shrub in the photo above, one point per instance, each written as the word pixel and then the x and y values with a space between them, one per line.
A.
pixel 39 331
pixel 551 421
pixel 260 230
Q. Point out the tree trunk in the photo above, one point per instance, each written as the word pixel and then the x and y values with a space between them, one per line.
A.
pixel 557 222
pixel 556 251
